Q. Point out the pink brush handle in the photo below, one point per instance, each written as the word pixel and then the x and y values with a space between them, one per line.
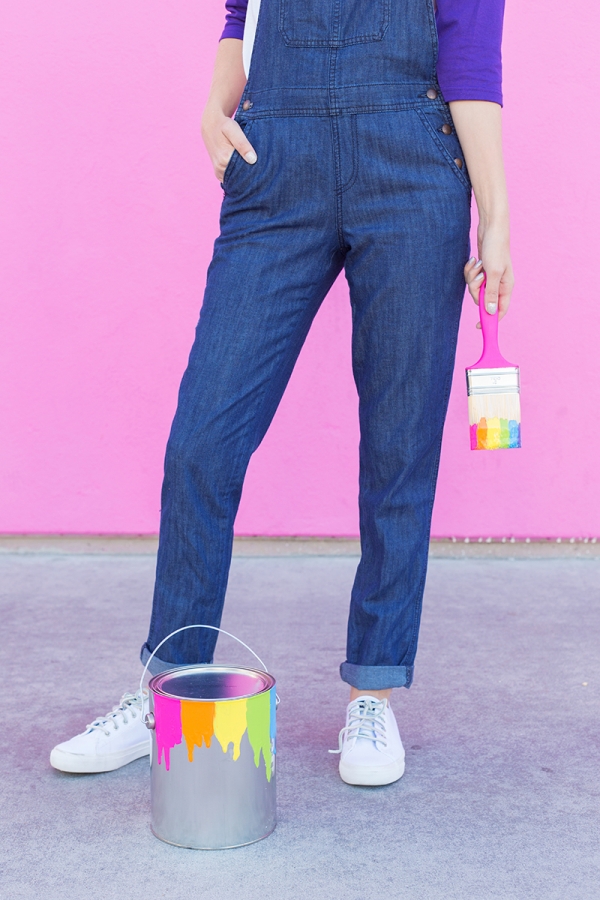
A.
pixel 491 358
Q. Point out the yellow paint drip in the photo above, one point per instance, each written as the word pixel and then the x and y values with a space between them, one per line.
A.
pixel 230 724
pixel 259 729
pixel 197 724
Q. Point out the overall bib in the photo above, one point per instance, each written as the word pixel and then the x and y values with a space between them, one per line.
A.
pixel 359 168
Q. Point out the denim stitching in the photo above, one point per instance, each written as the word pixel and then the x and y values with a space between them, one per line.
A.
pixel 420 87
pixel 325 111
pixel 434 41
pixel 354 172
pixel 335 43
pixel 338 186
pixel 448 158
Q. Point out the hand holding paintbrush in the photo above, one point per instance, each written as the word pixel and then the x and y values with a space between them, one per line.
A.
pixel 493 389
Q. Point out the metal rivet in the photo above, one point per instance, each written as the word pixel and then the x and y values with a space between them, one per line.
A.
pixel 432 93
pixel 247 104
pixel 447 129
pixel 459 162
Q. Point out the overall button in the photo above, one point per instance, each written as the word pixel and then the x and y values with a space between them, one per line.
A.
pixel 459 162
pixel 247 104
pixel 447 129
pixel 432 93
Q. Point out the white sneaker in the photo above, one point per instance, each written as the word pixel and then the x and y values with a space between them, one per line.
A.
pixel 370 745
pixel 108 743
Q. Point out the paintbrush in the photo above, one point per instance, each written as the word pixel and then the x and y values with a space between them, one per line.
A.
pixel 493 390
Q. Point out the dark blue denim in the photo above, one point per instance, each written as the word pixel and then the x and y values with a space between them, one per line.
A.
pixel 357 170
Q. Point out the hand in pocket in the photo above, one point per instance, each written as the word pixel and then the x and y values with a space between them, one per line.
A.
pixel 222 136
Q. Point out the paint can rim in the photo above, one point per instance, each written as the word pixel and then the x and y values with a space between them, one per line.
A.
pixel 155 684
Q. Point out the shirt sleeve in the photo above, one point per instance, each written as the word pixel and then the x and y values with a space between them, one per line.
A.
pixel 470 57
pixel 235 19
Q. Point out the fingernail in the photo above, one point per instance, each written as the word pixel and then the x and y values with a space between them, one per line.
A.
pixel 491 308
pixel 251 157
pixel 471 261
pixel 478 277
pixel 478 263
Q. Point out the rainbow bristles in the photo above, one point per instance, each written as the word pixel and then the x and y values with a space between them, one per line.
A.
pixel 495 434
pixel 494 409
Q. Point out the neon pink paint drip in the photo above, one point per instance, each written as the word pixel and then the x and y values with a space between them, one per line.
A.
pixel 167 713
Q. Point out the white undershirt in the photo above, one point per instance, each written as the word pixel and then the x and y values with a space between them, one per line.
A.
pixel 250 33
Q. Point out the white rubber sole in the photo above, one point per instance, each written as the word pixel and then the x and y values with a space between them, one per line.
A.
pixel 80 764
pixel 372 776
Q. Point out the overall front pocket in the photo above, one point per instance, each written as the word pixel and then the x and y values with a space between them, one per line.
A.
pixel 319 23
pixel 438 125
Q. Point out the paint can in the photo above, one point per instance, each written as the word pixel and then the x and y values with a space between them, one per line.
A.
pixel 212 766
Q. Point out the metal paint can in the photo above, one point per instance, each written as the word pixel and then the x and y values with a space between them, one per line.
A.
pixel 213 756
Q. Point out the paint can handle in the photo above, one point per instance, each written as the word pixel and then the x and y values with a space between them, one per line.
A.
pixel 210 628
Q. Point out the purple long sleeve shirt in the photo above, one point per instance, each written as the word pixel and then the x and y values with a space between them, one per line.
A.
pixel 470 37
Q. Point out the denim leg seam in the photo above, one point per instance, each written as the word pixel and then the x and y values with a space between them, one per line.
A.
pixel 432 486
pixel 254 429
pixel 335 139
pixel 226 540
pixel 239 458
pixel 354 172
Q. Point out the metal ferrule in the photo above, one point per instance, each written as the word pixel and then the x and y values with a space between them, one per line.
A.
pixel 493 381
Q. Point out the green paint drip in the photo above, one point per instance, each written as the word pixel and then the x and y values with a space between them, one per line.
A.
pixel 258 713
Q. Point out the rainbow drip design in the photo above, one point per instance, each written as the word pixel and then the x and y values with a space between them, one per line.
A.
pixel 495 434
pixel 198 721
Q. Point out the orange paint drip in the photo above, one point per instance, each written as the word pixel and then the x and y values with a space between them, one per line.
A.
pixel 197 724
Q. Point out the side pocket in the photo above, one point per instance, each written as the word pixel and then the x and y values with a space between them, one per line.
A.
pixel 447 144
pixel 235 159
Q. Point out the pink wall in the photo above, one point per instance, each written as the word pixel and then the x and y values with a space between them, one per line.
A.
pixel 108 211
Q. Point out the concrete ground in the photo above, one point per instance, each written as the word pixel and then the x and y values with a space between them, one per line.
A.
pixel 501 796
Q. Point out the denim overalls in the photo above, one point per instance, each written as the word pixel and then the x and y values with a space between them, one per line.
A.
pixel 359 168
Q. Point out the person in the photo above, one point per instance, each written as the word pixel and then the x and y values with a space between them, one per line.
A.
pixel 346 136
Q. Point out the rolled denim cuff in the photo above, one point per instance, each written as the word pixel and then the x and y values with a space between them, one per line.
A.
pixel 376 678
pixel 157 665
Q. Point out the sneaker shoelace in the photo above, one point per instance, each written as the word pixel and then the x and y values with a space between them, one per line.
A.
pixel 129 705
pixel 366 719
